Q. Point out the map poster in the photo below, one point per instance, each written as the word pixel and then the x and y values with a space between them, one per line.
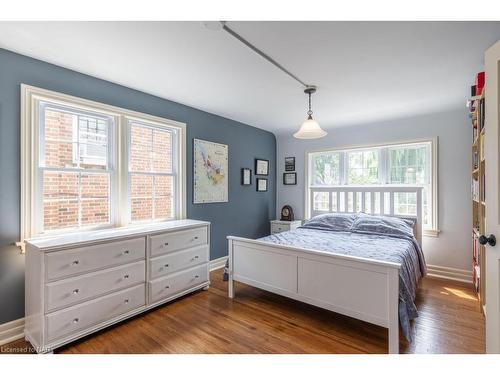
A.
pixel 210 163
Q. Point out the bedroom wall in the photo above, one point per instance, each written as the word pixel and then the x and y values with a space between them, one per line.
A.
pixel 452 247
pixel 247 213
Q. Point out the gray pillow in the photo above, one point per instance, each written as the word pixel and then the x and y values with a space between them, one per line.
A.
pixel 338 222
pixel 385 225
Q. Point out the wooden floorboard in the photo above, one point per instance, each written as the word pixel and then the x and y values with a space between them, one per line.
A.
pixel 450 321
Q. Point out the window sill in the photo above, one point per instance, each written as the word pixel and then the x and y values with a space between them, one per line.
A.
pixel 431 232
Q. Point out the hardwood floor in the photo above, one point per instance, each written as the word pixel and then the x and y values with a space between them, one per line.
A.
pixel 450 321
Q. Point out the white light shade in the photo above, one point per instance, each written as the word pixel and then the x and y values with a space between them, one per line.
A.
pixel 310 129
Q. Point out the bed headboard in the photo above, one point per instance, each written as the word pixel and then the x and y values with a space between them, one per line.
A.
pixel 399 201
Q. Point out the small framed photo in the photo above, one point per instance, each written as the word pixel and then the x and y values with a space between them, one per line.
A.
pixel 261 184
pixel 290 178
pixel 246 176
pixel 290 163
pixel 261 167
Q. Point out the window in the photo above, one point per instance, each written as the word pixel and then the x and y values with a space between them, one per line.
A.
pixel 75 167
pixel 326 167
pixel 86 165
pixel 152 177
pixel 92 134
pixel 362 167
pixel 410 163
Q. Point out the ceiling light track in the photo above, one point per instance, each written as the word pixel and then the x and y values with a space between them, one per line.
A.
pixel 310 128
pixel 237 36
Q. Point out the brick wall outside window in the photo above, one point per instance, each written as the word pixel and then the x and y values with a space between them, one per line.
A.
pixel 73 196
pixel 151 156
pixel 68 195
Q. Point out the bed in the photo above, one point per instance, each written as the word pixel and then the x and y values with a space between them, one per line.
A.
pixel 357 256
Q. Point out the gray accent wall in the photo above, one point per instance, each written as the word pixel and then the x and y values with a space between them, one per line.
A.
pixel 246 214
pixel 452 128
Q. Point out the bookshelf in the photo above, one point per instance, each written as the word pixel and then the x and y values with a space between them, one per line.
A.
pixel 476 111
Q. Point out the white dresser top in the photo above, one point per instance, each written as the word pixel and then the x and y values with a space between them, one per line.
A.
pixel 85 237
pixel 286 222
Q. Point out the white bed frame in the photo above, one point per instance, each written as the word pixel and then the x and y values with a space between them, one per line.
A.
pixel 361 288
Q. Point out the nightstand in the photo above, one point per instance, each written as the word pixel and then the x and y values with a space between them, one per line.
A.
pixel 278 226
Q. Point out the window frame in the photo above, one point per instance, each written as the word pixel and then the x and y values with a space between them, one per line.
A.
pixel 433 230
pixel 111 172
pixel 30 225
pixel 174 173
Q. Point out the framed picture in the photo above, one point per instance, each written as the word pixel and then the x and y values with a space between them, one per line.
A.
pixel 246 176
pixel 261 184
pixel 261 167
pixel 210 169
pixel 290 178
pixel 290 163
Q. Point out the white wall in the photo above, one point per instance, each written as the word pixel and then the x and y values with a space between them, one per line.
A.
pixel 452 248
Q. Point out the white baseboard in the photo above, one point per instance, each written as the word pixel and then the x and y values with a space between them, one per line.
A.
pixel 218 263
pixel 449 273
pixel 11 331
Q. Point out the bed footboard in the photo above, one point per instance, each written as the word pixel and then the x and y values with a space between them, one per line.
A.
pixel 361 288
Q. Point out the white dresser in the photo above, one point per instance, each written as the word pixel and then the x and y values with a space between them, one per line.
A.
pixel 79 283
pixel 278 226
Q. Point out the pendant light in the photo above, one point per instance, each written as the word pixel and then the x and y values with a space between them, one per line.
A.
pixel 310 128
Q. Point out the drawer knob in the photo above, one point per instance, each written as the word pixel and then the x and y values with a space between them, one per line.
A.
pixel 126 276
pixel 166 243
pixel 167 287
pixel 76 291
pixel 166 265
pixel 76 320
pixel 126 301
pixel 126 252
pixel 195 237
pixel 196 276
pixel 76 262
pixel 195 257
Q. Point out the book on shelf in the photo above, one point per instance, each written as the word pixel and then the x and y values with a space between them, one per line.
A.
pixel 482 196
pixel 475 190
pixel 477 278
pixel 481 148
pixel 475 248
pixel 481 114
pixel 479 84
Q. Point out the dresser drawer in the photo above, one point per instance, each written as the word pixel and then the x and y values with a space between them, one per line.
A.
pixel 76 289
pixel 168 242
pixel 278 228
pixel 87 314
pixel 166 264
pixel 168 286
pixel 71 262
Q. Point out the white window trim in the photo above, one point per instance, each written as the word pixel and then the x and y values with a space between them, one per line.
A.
pixel 30 96
pixel 127 180
pixel 429 232
pixel 112 172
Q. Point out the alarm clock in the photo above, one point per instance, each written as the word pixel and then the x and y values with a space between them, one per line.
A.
pixel 287 213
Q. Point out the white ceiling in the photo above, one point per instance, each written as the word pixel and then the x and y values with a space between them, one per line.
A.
pixel 365 71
